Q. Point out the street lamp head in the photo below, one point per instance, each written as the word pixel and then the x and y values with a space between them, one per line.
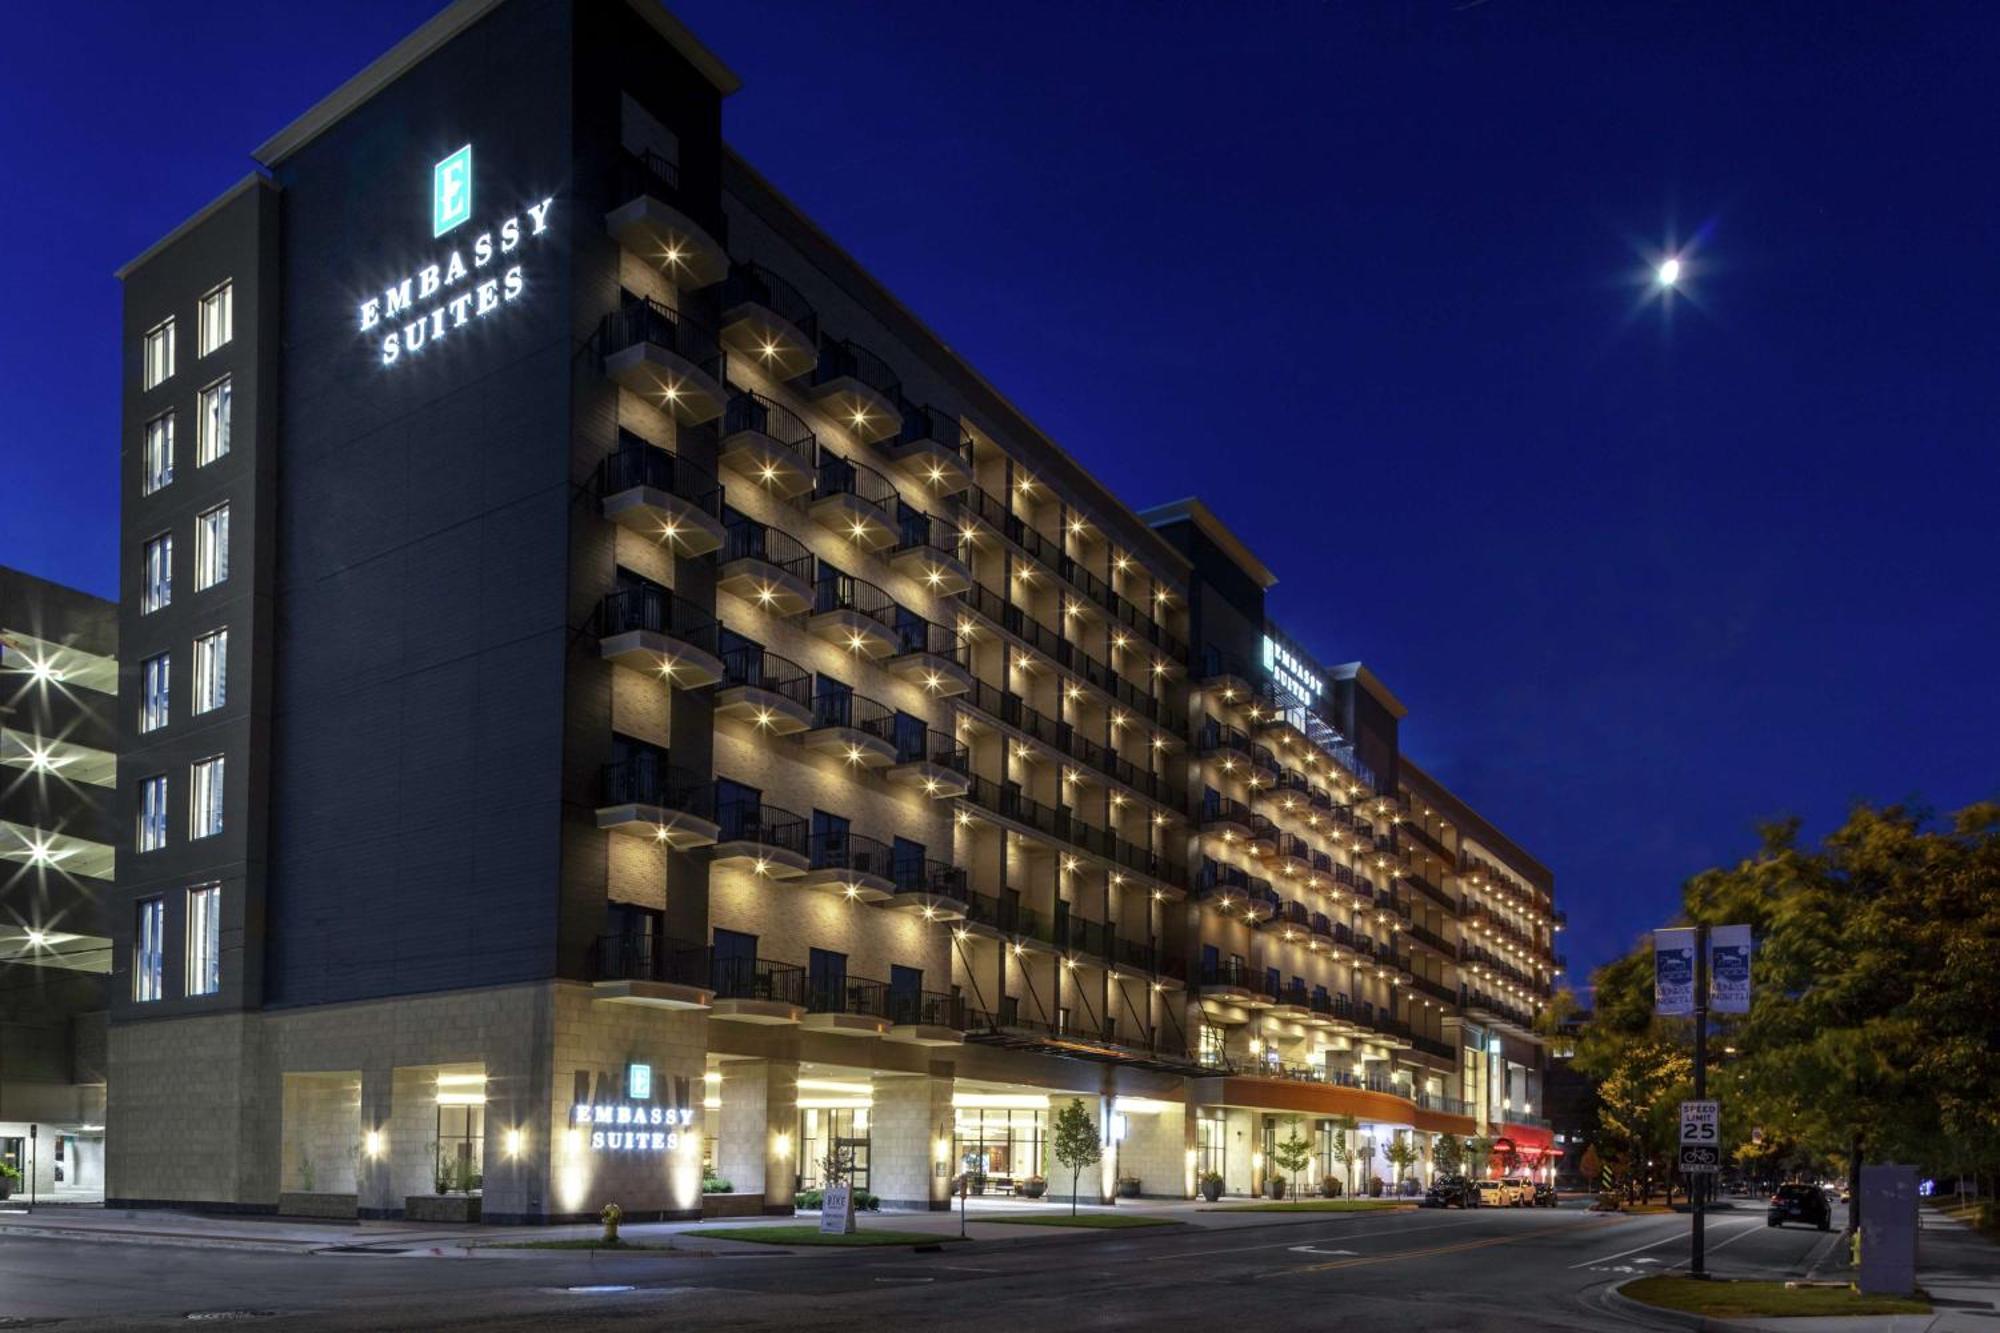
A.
pixel 1669 272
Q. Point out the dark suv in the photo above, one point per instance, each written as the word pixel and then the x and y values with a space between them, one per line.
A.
pixel 1449 1192
pixel 1800 1203
pixel 1545 1195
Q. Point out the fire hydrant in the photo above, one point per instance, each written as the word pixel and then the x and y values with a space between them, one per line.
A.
pixel 612 1212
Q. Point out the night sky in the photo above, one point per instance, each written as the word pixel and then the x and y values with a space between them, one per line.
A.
pixel 1368 278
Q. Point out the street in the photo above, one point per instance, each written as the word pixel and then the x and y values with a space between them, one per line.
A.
pixel 1488 1268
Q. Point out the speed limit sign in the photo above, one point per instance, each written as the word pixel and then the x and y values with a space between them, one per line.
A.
pixel 1701 1122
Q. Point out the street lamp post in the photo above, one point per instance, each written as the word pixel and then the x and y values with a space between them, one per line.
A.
pixel 1700 1079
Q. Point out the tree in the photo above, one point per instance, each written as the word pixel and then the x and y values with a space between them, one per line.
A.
pixel 1402 1156
pixel 1478 1156
pixel 1292 1155
pixel 1075 1143
pixel 1344 1129
pixel 1449 1155
pixel 1590 1165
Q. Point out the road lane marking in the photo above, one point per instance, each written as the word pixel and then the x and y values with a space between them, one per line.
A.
pixel 1423 1253
pixel 1345 1235
pixel 1678 1236
pixel 1312 1249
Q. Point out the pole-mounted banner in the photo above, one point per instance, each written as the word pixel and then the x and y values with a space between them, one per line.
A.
pixel 1673 971
pixel 1729 969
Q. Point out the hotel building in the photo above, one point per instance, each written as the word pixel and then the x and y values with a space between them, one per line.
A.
pixel 655 715
pixel 58 847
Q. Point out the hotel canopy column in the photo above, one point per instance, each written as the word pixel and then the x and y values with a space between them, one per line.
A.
pixel 910 1140
pixel 756 1143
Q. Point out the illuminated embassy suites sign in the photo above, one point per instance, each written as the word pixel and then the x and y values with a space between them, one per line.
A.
pixel 427 305
pixel 631 1126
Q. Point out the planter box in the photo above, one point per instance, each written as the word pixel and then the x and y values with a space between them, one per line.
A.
pixel 732 1205
pixel 441 1208
pixel 336 1207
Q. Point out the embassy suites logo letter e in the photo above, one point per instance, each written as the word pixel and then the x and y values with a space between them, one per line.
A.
pixel 425 306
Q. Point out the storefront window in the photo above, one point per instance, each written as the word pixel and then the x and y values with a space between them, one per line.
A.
pixel 824 1132
pixel 461 1149
pixel 1006 1146
pixel 1209 1146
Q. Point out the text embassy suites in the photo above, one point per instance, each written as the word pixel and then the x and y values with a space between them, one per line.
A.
pixel 686 687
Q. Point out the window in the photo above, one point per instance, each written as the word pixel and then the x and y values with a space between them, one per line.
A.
pixel 211 547
pixel 211 427
pixel 159 353
pixel 218 318
pixel 153 813
pixel 154 674
pixel 159 460
pixel 159 575
pixel 211 671
pixel 204 940
pixel 205 797
pixel 149 955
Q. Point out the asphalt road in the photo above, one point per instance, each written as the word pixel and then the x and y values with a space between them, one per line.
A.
pixel 1484 1269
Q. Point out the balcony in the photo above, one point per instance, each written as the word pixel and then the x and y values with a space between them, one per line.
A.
pixel 767 323
pixel 847 1007
pixel 1231 889
pixel 926 552
pixel 934 890
pixel 758 990
pixel 764 690
pixel 762 839
pixel 1231 981
pixel 646 628
pixel 857 388
pixel 1292 1003
pixel 931 655
pixel 654 351
pixel 854 728
pixel 1226 675
pixel 853 614
pixel 927 1018
pixel 645 796
pixel 1236 824
pixel 848 866
pixel 930 448
pixel 1431 940
pixel 853 501
pixel 649 971
pixel 933 762
pixel 771 570
pixel 1005 918
pixel 656 220
pixel 768 443
pixel 660 497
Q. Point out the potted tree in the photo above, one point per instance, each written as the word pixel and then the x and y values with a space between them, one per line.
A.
pixel 1074 1143
pixel 1291 1156
pixel 1402 1156
pixel 1035 1186
pixel 9 1180
pixel 1128 1187
pixel 1210 1185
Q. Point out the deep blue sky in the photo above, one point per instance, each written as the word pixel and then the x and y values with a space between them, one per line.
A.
pixel 1366 277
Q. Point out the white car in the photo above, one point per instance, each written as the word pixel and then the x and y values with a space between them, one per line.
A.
pixel 1491 1194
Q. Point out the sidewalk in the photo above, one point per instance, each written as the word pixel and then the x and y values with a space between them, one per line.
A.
pixel 300 1236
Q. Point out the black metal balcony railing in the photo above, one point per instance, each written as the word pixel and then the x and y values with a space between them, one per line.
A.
pixel 928 1008
pixel 839 359
pixel 926 746
pixel 939 878
pixel 1232 972
pixel 1064 652
pixel 836 475
pixel 1006 915
pixel 759 668
pixel 920 531
pixel 759 979
pixel 1142 954
pixel 641 319
pixel 1085 936
pixel 838 591
pixel 915 635
pixel 844 708
pixel 655 610
pixel 744 538
pixel 750 284
pixel 648 173
pixel 649 777
pixel 1433 939
pixel 1437 1101
pixel 1011 709
pixel 847 995
pixel 637 463
pixel 765 825
pixel 748 411
pixel 1437 895
pixel 1217 878
pixel 1292 845
pixel 634 957
pixel 830 850
pixel 922 423
pixel 1437 990
pixel 1059 823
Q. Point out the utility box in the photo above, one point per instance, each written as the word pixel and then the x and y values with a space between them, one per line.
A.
pixel 1888 1230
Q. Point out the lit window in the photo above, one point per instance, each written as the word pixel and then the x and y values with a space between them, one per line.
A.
pixel 212 423
pixel 152 833
pixel 155 673
pixel 211 547
pixel 211 671
pixel 158 590
pixel 204 940
pixel 217 318
pixel 149 956
pixel 159 353
pixel 205 797
pixel 159 454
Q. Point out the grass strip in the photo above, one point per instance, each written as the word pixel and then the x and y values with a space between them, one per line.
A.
pixel 812 1235
pixel 1316 1206
pixel 1750 1300
pixel 580 1243
pixel 1094 1221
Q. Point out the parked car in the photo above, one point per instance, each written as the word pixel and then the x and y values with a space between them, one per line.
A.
pixel 1449 1192
pixel 1545 1195
pixel 1490 1194
pixel 1520 1193
pixel 1800 1203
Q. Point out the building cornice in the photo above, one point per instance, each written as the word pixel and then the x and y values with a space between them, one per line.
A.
pixel 1216 531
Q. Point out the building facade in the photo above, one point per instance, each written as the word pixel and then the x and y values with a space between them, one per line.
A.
pixel 58 850
pixel 675 722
